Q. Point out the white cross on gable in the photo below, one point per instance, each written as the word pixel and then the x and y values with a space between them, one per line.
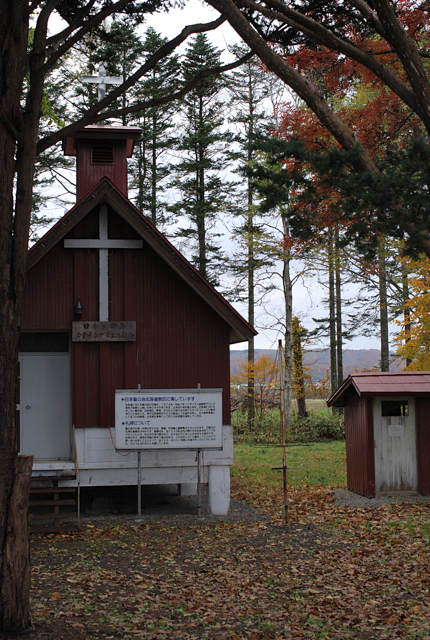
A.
pixel 102 80
pixel 103 244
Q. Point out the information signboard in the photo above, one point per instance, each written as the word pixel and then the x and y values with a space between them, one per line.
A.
pixel 107 331
pixel 168 419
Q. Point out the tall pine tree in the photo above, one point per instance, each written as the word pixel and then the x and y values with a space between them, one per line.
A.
pixel 202 192
pixel 151 165
pixel 248 91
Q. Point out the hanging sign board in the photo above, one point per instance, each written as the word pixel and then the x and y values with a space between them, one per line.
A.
pixel 168 419
pixel 104 331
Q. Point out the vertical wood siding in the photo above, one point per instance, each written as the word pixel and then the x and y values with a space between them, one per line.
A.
pixel 359 446
pixel 422 411
pixel 90 174
pixel 180 342
pixel 46 304
pixel 395 449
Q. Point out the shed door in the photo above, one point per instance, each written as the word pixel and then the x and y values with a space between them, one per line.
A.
pixel 395 444
pixel 45 406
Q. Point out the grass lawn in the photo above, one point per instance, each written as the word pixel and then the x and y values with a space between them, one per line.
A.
pixel 315 404
pixel 320 463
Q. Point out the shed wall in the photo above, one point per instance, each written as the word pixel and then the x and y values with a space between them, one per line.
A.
pixel 180 343
pixel 422 413
pixel 359 446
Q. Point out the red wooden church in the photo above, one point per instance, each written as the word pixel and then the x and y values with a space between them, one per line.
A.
pixel 110 304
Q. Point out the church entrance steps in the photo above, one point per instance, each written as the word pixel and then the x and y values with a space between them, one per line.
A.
pixel 52 506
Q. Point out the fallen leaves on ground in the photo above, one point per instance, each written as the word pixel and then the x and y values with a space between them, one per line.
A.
pixel 331 572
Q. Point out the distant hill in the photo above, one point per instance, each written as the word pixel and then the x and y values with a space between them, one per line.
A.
pixel 319 361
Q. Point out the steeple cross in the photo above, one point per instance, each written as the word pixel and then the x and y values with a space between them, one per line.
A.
pixel 103 244
pixel 102 80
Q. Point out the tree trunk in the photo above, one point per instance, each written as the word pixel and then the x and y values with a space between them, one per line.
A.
pixel 251 384
pixel 16 577
pixel 154 171
pixel 251 266
pixel 339 341
pixel 299 378
pixel 18 131
pixel 406 309
pixel 383 312
pixel 288 304
pixel 200 196
pixel 251 351
pixel 332 314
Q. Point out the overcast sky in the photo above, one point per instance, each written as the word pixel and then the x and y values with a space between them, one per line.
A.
pixel 307 299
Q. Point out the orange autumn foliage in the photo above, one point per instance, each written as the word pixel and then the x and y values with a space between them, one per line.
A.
pixel 379 119
pixel 266 381
pixel 414 343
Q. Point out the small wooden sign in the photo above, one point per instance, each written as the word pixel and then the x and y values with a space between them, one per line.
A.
pixel 108 331
pixel 396 430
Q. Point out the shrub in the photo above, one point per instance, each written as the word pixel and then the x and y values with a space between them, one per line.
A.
pixel 266 427
pixel 316 427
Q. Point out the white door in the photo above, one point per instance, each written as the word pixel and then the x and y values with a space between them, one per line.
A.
pixel 395 444
pixel 45 406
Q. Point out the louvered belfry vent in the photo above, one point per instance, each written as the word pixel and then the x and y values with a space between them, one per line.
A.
pixel 102 155
pixel 101 152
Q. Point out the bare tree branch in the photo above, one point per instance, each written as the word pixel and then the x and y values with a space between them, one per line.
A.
pixel 62 35
pixel 304 88
pixel 155 102
pixel 93 114
pixel 95 20
pixel 320 34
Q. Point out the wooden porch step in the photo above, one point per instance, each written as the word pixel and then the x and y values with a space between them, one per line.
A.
pixel 53 477
pixel 54 516
pixel 60 529
pixel 53 490
pixel 45 503
pixel 50 503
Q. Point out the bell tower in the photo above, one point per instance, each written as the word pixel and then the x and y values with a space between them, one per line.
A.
pixel 101 151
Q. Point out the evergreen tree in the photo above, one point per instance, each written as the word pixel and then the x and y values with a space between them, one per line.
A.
pixel 151 164
pixel 274 193
pixel 248 90
pixel 202 192
pixel 51 166
pixel 121 51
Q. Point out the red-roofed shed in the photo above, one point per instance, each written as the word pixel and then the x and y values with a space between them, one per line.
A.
pixel 387 431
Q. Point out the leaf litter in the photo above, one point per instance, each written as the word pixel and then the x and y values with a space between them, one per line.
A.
pixel 331 572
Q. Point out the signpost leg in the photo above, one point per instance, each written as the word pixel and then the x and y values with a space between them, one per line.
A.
pixel 284 449
pixel 139 485
pixel 199 485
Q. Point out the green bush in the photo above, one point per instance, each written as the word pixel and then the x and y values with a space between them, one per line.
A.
pixel 316 427
pixel 266 429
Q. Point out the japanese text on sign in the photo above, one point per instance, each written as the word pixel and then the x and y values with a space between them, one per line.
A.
pixel 178 419
pixel 104 331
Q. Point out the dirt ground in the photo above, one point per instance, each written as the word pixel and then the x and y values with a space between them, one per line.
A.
pixel 337 570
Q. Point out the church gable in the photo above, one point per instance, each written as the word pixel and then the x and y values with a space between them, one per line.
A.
pixel 106 194
pixel 177 332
